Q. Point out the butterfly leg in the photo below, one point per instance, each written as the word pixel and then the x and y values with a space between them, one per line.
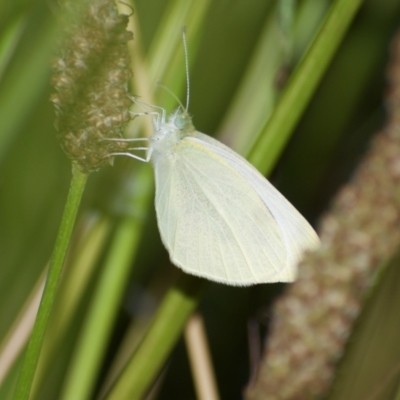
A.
pixel 144 159
pixel 160 116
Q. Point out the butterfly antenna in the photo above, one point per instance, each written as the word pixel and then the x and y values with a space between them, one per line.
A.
pixel 187 75
pixel 186 66
pixel 171 93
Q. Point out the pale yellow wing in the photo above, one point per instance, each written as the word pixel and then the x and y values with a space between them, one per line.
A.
pixel 212 218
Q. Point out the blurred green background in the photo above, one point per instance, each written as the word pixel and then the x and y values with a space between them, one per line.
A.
pixel 232 37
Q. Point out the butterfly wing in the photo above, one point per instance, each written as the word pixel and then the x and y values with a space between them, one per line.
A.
pixel 297 233
pixel 212 218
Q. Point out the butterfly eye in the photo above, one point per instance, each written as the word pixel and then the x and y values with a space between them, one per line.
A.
pixel 180 122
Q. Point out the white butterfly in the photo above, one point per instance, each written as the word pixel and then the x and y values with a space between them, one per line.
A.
pixel 219 218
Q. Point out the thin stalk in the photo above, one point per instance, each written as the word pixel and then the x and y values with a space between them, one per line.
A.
pixel 31 357
pixel 200 359
pixel 14 343
pixel 302 85
pixel 71 292
pixel 103 312
pixel 177 306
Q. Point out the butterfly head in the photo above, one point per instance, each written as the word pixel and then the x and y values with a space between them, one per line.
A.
pixel 182 121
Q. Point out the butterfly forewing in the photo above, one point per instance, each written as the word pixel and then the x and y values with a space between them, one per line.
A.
pixel 297 233
pixel 212 219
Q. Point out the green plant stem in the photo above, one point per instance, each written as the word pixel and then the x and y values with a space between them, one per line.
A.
pixel 177 306
pixel 302 85
pixel 31 358
pixel 103 311
pixel 77 278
